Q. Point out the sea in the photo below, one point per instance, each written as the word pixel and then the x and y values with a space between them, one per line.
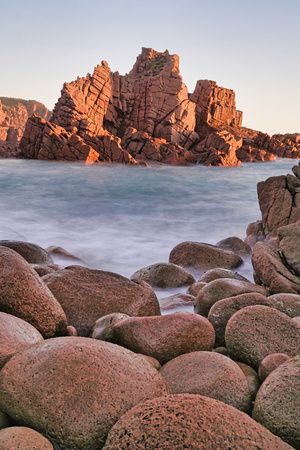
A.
pixel 123 218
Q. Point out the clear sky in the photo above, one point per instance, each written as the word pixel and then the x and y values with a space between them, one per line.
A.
pixel 250 46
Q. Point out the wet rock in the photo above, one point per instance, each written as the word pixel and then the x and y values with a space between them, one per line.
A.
pixel 210 374
pixel 223 288
pixel 25 295
pixel 236 245
pixel 59 251
pixel 270 363
pixel 164 275
pixel 189 421
pixel 257 331
pixel 203 256
pixel 32 253
pixel 289 242
pixel 195 288
pixel 255 233
pixel 165 337
pixel 15 334
pixel 176 301
pixel 222 310
pixel 43 269
pixel 72 389
pixel 277 403
pixel 251 377
pixel 289 304
pixel 271 272
pixel 23 438
pixel 103 328
pixel 215 274
pixel 86 295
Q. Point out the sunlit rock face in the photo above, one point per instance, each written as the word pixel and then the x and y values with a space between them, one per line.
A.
pixel 148 115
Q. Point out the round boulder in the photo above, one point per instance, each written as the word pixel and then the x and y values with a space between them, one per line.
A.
pixel 195 288
pixel 73 389
pixel 25 295
pixel 165 337
pixel 251 377
pixel 289 304
pixel 222 310
pixel 270 363
pixel 210 374
pixel 32 253
pixel 23 438
pixel 203 256
pixel 215 274
pixel 15 334
pixel 189 421
pixel 103 327
pixel 87 294
pixel 257 331
pixel 236 245
pixel 164 275
pixel 179 301
pixel 277 403
pixel 223 288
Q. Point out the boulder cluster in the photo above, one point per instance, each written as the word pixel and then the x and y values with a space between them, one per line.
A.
pixel 144 116
pixel 87 360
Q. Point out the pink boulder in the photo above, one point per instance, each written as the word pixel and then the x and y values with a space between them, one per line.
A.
pixel 165 337
pixel 210 374
pixel 73 389
pixel 189 421
pixel 23 438
pixel 270 363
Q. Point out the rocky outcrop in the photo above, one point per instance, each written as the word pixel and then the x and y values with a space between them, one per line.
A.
pixel 14 113
pixel 148 115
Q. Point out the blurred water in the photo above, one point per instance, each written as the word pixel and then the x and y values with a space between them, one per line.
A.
pixel 122 218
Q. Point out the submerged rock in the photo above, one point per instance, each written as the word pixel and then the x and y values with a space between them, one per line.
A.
pixel 164 275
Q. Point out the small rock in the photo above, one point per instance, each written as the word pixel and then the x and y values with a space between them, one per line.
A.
pixel 236 245
pixel 289 304
pixel 164 275
pixel 23 438
pixel 215 274
pixel 270 363
pixel 103 328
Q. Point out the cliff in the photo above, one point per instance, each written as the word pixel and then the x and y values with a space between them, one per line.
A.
pixel 148 115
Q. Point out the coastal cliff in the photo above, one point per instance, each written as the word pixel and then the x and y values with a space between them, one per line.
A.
pixel 148 115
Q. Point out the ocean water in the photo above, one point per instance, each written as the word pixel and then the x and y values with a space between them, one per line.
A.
pixel 123 218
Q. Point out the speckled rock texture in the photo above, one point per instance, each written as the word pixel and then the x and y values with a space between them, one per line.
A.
pixel 214 274
pixel 236 245
pixel 164 275
pixel 23 438
pixel 32 253
pixel 86 295
pixel 222 310
pixel 277 403
pixel 189 421
pixel 251 377
pixel 210 374
pixel 203 256
pixel 223 288
pixel 103 328
pixel 257 331
pixel 165 337
pixel 270 363
pixel 25 295
pixel 73 389
pixel 289 304
pixel 15 334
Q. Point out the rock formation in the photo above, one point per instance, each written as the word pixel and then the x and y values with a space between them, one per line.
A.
pixel 14 113
pixel 148 115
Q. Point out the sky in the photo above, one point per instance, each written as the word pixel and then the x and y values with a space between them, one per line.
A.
pixel 250 46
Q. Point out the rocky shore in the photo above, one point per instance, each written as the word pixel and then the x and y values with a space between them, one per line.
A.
pixel 145 116
pixel 88 361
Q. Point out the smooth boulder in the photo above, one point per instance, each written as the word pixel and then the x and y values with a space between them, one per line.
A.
pixel 289 304
pixel 165 337
pixel 88 294
pixel 15 334
pixel 203 256
pixel 32 253
pixel 270 363
pixel 25 295
pixel 164 275
pixel 23 438
pixel 210 374
pixel 73 389
pixel 223 288
pixel 215 274
pixel 235 244
pixel 189 421
pixel 222 310
pixel 257 331
pixel 277 403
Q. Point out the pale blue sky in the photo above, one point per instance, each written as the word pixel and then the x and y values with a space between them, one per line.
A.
pixel 249 46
